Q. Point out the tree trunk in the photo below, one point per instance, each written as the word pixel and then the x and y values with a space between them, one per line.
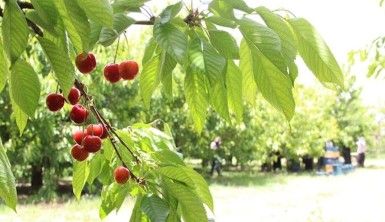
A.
pixel 36 177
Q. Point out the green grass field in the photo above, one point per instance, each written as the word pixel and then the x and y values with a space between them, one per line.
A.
pixel 358 196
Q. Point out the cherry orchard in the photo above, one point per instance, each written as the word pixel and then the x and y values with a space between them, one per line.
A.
pixel 220 72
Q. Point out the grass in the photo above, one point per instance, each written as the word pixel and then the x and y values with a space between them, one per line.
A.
pixel 249 196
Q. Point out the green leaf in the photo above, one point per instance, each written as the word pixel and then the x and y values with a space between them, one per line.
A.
pixel 137 214
pixel 76 23
pixel 155 208
pixel 204 59
pixel 20 117
pixel 167 65
pixel 201 187
pixel 221 21
pixel 128 5
pixel 95 165
pixel 249 87
pixel 315 53
pixel 15 31
pixel 274 84
pixel 112 198
pixel 149 80
pixel 4 72
pixel 293 71
pixel 175 173
pixel 234 89
pixel 284 31
pixel 238 4
pixel 168 157
pixel 170 12
pixel 224 43
pixel 196 97
pixel 120 24
pixel 149 50
pixel 170 38
pixel 99 11
pixel 25 87
pixel 7 180
pixel 81 171
pixel 61 64
pixel 266 40
pixel 96 29
pixel 222 9
pixel 47 11
pixel 192 207
pixel 35 18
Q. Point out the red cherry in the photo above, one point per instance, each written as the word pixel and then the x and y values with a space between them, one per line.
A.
pixel 105 132
pixel 79 153
pixel 78 136
pixel 92 143
pixel 74 96
pixel 55 102
pixel 78 113
pixel 111 73
pixel 128 70
pixel 121 174
pixel 85 62
pixel 95 129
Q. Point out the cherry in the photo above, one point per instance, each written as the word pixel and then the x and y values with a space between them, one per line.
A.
pixel 111 73
pixel 78 113
pixel 95 129
pixel 128 70
pixel 121 174
pixel 78 136
pixel 92 143
pixel 79 153
pixel 55 102
pixel 85 62
pixel 74 96
pixel 105 132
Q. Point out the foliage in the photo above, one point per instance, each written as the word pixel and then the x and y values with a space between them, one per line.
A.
pixel 197 45
pixel 353 119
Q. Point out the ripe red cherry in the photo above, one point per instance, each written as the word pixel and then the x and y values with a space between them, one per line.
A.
pixel 105 132
pixel 78 113
pixel 85 62
pixel 55 102
pixel 111 73
pixel 79 153
pixel 78 136
pixel 95 129
pixel 74 96
pixel 128 70
pixel 121 174
pixel 92 143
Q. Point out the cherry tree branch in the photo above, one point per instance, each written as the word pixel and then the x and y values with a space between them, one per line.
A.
pixel 102 121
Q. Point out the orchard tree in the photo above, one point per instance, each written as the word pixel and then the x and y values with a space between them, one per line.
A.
pixel 221 72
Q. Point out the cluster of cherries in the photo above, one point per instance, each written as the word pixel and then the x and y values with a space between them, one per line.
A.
pixel 90 140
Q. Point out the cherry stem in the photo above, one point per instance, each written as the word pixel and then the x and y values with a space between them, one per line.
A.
pixel 117 48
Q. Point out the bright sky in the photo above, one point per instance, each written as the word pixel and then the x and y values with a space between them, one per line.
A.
pixel 345 25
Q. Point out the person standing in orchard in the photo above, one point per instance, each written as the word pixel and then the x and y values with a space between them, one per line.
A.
pixel 216 164
pixel 361 150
